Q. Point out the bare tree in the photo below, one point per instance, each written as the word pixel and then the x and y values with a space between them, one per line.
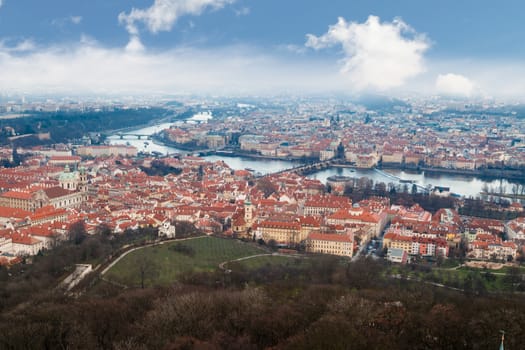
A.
pixel 266 186
pixel 148 269
pixel 77 232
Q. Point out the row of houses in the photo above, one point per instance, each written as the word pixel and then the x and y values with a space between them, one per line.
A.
pixel 483 238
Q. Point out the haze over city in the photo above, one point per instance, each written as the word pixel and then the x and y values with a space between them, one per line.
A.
pixel 467 49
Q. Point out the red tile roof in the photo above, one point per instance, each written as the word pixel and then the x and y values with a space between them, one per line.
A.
pixel 7 212
pixel 24 239
pixel 55 192
pixel 17 195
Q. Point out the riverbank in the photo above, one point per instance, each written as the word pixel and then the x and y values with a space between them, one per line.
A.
pixel 130 128
pixel 160 140
pixel 493 174
pixel 488 174
pixel 224 152
pixel 465 183
pixel 258 156
pixel 170 118
pixel 504 195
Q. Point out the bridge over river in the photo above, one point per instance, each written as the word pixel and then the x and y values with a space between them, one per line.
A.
pixel 123 136
pixel 304 169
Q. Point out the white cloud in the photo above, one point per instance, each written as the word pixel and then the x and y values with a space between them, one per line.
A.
pixel 378 56
pixel 89 67
pixel 162 15
pixel 292 48
pixel 454 85
pixel 75 19
pixel 86 40
pixel 245 11
pixel 22 46
pixel 61 22
pixel 134 44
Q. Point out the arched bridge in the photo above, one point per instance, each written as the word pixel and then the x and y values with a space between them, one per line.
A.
pixel 307 168
pixel 138 136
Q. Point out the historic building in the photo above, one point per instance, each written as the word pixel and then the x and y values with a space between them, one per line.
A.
pixel 71 193
pixel 325 243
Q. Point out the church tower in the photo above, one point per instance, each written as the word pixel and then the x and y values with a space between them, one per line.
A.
pixel 82 180
pixel 248 211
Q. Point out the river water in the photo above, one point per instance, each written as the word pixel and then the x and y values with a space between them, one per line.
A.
pixel 460 184
pixel 263 166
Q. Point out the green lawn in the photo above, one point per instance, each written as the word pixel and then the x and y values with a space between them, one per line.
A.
pixel 491 282
pixel 164 265
pixel 270 260
pixel 449 263
pixel 462 278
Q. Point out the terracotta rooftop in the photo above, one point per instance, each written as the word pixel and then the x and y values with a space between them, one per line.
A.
pixel 7 212
pixel 55 192
pixel 17 195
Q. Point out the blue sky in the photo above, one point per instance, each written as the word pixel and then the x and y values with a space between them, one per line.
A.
pixel 468 48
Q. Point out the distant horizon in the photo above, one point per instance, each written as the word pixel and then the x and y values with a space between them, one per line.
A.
pixel 161 98
pixel 245 47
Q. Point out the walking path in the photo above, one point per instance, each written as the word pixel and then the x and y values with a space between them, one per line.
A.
pixel 435 284
pixel 222 265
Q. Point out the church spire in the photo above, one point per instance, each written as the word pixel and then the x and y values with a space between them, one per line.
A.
pixel 248 210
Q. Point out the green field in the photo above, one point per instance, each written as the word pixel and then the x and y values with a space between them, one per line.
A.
pixel 270 260
pixel 163 264
pixel 465 278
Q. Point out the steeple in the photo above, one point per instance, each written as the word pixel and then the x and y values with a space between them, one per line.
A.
pixel 248 210
pixel 83 180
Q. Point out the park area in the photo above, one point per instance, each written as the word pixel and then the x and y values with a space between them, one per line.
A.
pixel 165 263
pixel 259 262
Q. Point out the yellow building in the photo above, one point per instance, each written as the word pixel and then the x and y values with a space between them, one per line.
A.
pixel 282 232
pixel 333 244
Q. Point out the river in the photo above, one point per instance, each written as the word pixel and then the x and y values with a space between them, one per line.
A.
pixel 460 184
pixel 263 166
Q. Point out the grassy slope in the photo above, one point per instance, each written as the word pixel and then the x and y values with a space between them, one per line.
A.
pixel 262 261
pixel 169 264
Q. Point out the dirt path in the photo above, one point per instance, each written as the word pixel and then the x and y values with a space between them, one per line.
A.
pixel 222 265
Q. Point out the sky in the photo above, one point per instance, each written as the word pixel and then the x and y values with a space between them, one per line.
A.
pixel 453 48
